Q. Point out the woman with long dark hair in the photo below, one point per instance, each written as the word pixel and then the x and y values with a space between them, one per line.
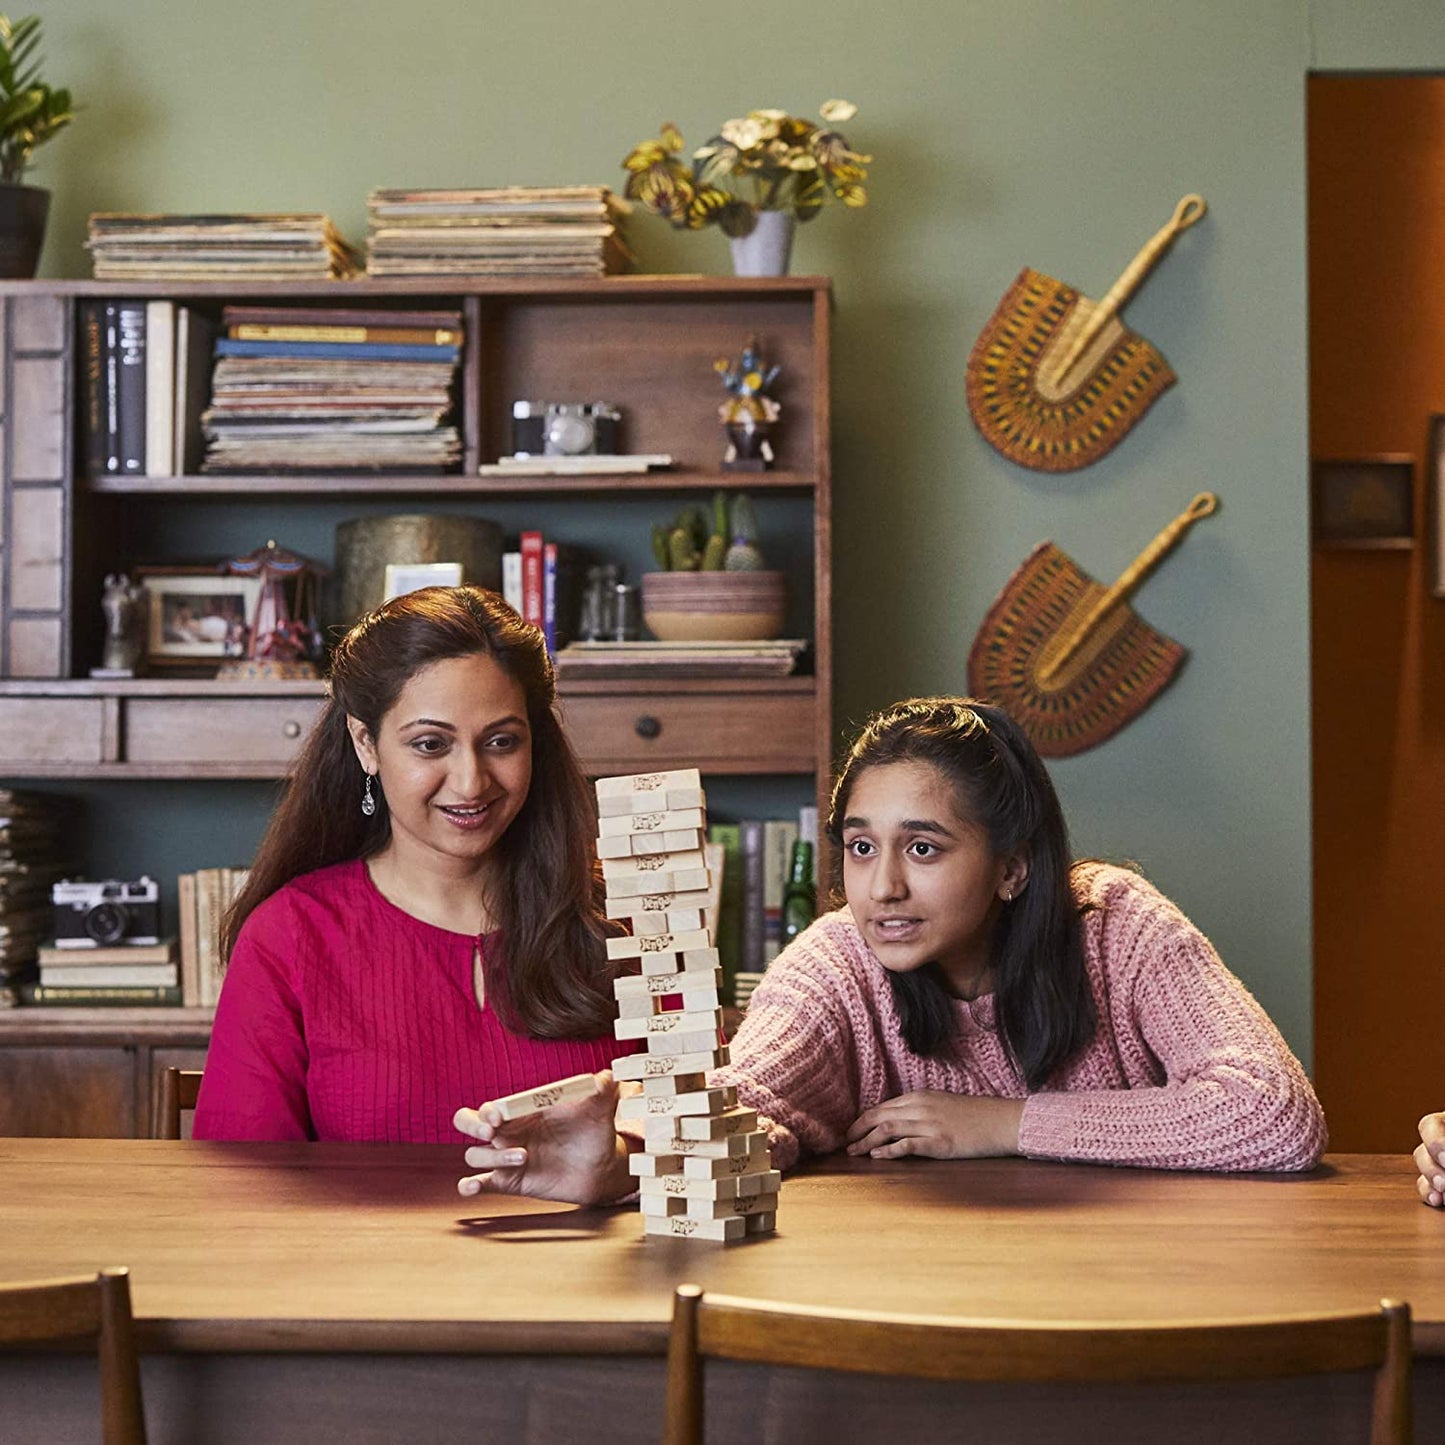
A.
pixel 982 995
pixel 422 922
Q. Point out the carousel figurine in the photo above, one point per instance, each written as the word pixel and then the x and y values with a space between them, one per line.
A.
pixel 750 412
pixel 284 638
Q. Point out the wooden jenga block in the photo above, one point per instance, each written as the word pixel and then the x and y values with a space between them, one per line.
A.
pixel 661 943
pixel 667 1084
pixel 659 1205
pixel 677 920
pixel 667 1023
pixel 646 845
pixel 744 1185
pixel 651 1166
pixel 662 984
pixel 610 850
pixel 689 960
pixel 546 1096
pixel 761 1223
pixel 668 1143
pixel 726 1208
pixel 662 900
pixel 657 1066
pixel 753 1162
pixel 734 1121
pixel 610 787
pixel 702 1102
pixel 688 1043
pixel 703 998
pixel 670 799
pixel 679 1225
pixel 700 958
pixel 657 822
pixel 655 873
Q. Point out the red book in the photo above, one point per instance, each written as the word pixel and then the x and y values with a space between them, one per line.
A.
pixel 532 578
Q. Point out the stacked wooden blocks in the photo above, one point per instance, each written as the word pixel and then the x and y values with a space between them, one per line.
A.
pixel 705 1171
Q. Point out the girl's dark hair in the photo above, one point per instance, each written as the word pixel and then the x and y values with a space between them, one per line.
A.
pixel 1044 1004
pixel 556 983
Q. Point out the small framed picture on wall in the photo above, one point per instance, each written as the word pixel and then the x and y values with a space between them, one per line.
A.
pixel 193 617
pixel 1363 502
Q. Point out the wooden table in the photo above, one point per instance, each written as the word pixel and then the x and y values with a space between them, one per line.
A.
pixel 275 1281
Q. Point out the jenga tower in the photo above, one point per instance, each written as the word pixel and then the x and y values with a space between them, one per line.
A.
pixel 705 1171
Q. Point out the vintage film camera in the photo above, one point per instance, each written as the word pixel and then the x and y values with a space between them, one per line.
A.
pixel 93 915
pixel 565 428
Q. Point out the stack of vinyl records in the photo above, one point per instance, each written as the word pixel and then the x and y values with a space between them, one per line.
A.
pixel 129 247
pixel 308 389
pixel 511 231
pixel 32 857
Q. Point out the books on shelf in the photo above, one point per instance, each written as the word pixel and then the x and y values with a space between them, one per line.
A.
pixel 334 390
pixel 248 246
pixel 595 464
pixel 204 898
pixel 504 231
pixel 80 971
pixel 541 580
pixel 643 660
pixel 145 378
pixel 33 829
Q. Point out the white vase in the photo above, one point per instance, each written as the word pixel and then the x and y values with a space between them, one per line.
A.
pixel 765 250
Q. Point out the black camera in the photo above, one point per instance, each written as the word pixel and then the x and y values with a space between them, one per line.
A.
pixel 565 428
pixel 90 915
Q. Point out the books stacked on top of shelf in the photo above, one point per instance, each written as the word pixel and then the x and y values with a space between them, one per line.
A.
pixel 622 660
pixel 129 974
pixel 127 246
pixel 300 389
pixel 32 829
pixel 204 898
pixel 507 231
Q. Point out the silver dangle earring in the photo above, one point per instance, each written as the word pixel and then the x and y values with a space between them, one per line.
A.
pixel 368 803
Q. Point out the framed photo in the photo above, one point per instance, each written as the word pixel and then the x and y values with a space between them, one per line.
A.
pixel 1367 502
pixel 195 617
pixel 412 576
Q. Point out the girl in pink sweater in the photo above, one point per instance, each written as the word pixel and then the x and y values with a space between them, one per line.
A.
pixel 980 995
pixel 422 922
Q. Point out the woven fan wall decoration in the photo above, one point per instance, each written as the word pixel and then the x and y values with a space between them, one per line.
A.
pixel 1055 381
pixel 1067 658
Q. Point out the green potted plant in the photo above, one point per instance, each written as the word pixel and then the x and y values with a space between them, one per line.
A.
pixel 712 585
pixel 758 176
pixel 31 112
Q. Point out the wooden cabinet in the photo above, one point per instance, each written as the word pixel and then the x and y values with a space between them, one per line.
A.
pixel 646 343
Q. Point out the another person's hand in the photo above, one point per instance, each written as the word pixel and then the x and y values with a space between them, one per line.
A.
pixel 938 1126
pixel 571 1151
pixel 1430 1160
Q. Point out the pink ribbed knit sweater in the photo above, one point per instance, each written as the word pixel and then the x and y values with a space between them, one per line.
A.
pixel 1185 1070
pixel 343 1017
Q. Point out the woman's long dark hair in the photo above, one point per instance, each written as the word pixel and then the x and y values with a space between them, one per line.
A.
pixel 547 898
pixel 1045 1007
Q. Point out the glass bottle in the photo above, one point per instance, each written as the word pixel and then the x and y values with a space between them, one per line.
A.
pixel 799 906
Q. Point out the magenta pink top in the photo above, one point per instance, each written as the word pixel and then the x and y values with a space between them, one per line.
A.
pixel 343 1017
pixel 1185 1071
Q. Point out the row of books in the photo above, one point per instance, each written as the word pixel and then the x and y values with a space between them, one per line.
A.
pixel 32 851
pixel 507 231
pixel 336 389
pixel 145 377
pixel 541 580
pixel 128 246
pixel 185 972
pixel 756 855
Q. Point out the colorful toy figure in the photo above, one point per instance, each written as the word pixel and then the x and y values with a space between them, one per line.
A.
pixel 749 413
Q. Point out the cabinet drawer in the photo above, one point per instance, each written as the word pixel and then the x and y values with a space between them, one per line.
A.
pixel 51 730
pixel 195 730
pixel 720 733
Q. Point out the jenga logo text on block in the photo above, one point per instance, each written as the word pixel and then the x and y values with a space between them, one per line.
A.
pixel 647 782
pixel 658 943
pixel 662 1023
pixel 647 822
pixel 545 1098
pixel 674 1183
pixel 681 1224
pixel 738 1164
pixel 658 1105
pixel 650 862
pixel 658 1068
pixel 657 902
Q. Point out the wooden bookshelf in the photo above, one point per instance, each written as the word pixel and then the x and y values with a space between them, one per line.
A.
pixel 644 342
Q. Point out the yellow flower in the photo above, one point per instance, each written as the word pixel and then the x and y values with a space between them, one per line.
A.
pixel 837 112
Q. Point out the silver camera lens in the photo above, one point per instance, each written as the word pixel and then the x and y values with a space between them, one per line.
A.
pixel 569 431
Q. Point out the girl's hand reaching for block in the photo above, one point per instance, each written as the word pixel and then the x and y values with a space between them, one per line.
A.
pixel 571 1151
pixel 938 1126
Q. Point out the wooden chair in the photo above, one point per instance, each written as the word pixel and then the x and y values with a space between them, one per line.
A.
pixel 724 1327
pixel 95 1307
pixel 179 1090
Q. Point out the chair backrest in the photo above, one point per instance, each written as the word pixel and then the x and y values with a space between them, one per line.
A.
pixel 179 1090
pixel 95 1307
pixel 927 1347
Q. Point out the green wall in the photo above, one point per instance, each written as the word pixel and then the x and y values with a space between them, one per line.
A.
pixel 1058 135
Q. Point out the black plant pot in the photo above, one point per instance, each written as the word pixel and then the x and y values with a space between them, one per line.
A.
pixel 23 210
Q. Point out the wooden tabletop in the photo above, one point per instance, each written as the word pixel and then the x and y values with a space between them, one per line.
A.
pixel 321 1247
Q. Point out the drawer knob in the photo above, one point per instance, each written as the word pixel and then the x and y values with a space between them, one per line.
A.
pixel 647 726
pixel 291 729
